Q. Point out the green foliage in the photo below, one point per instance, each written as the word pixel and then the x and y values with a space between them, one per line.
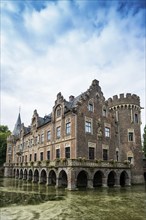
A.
pixel 144 141
pixel 4 133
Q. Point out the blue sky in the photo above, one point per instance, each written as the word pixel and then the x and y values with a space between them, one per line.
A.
pixel 61 46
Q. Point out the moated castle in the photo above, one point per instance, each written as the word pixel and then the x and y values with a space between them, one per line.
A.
pixel 85 141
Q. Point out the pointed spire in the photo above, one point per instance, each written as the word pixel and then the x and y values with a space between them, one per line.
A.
pixel 17 127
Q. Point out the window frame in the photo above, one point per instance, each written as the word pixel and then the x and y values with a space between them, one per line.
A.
pixel 48 153
pixel 57 153
pixel 88 126
pixel 107 132
pixel 130 136
pixel 90 107
pixel 91 153
pixel 41 156
pixel 68 128
pixel 67 154
pixel 58 132
pixel 105 155
pixel 49 135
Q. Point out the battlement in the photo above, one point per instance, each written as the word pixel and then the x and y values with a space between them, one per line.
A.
pixel 129 98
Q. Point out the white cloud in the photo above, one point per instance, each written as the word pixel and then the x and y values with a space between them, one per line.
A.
pixel 57 49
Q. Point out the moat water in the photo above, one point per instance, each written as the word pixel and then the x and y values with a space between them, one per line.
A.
pixel 21 200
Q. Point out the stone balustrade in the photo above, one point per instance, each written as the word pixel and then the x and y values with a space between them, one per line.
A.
pixel 71 163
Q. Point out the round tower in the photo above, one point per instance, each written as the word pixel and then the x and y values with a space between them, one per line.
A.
pixel 127 113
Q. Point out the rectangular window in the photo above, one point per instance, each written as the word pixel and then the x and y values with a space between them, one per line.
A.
pixel 90 107
pixel 136 118
pixel 41 156
pixel 88 126
pixel 107 132
pixel 38 139
pixel 58 132
pixel 57 153
pixel 30 157
pixel 48 155
pixel 49 135
pixel 130 136
pixel 42 138
pixel 25 158
pixel 91 153
pixel 68 128
pixel 35 157
pixel 105 154
pixel 67 152
pixel 104 112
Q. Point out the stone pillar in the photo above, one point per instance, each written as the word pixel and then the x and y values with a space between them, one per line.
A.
pixel 104 181
pixel 57 183
pixel 47 181
pixel 117 182
pixel 40 179
pixel 128 182
pixel 71 179
pixel 90 184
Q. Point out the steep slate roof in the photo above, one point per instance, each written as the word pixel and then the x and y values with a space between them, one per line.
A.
pixel 43 121
pixel 17 127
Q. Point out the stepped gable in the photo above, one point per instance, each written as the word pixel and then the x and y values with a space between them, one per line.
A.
pixel 75 101
pixel 129 100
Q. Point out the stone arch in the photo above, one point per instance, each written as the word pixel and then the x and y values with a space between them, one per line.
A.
pixel 112 177
pixel 25 174
pixel 21 174
pixel 82 179
pixel 97 179
pixel 62 179
pixel 124 178
pixel 43 176
pixel 36 175
pixel 52 177
pixel 30 175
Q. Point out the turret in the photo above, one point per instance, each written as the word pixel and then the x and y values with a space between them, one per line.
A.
pixel 126 110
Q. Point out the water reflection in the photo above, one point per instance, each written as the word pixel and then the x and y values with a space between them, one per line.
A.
pixel 24 200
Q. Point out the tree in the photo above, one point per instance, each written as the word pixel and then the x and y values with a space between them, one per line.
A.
pixel 144 141
pixel 4 133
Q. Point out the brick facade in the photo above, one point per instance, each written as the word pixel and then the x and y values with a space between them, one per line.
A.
pixel 86 127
